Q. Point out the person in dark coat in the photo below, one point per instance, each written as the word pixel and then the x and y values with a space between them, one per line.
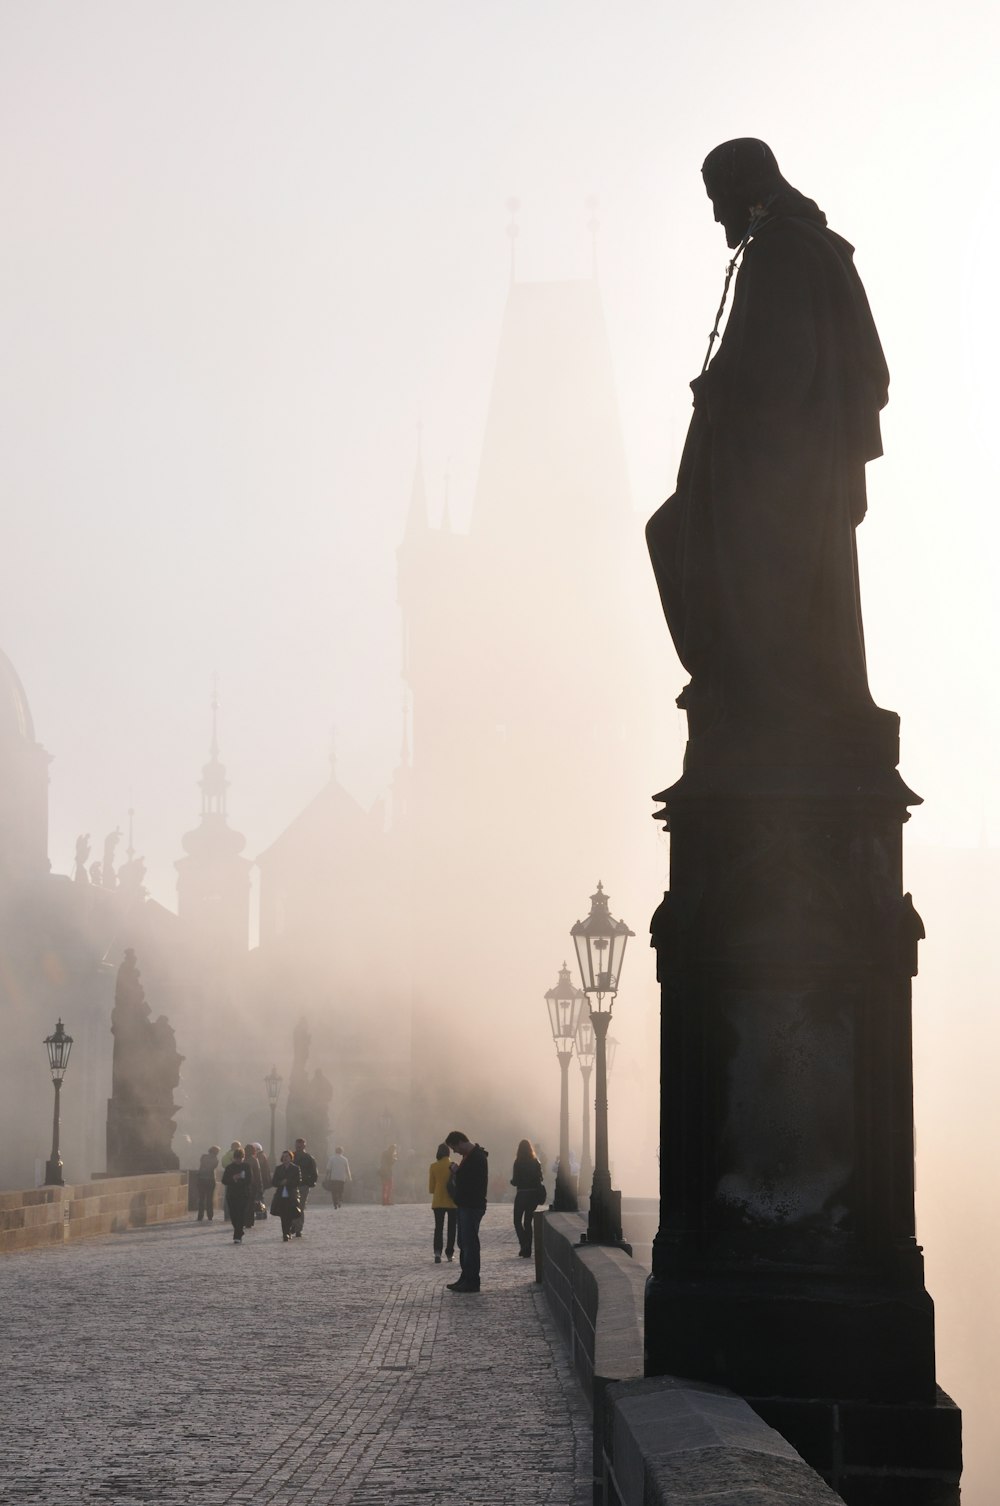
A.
pixel 471 1181
pixel 755 555
pixel 257 1185
pixel 529 1192
pixel 310 1175
pixel 287 1202
pixel 205 1183
pixel 238 1182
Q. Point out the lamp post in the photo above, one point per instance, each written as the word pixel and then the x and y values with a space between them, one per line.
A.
pixel 585 1045
pixel 272 1083
pixel 600 943
pixel 58 1045
pixel 565 1005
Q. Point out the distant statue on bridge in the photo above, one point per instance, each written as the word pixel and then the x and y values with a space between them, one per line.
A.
pixel 754 554
pixel 145 1072
pixel 108 878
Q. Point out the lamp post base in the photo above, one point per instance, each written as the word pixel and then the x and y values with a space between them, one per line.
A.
pixel 53 1174
pixel 564 1199
pixel 604 1219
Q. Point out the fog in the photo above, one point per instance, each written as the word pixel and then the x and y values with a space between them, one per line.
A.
pixel 300 414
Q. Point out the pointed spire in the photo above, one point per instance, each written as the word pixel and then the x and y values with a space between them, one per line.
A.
pixel 215 716
pixel 513 205
pixel 213 774
pixel 416 518
pixel 213 834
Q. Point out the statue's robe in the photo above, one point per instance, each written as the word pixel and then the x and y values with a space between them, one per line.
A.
pixel 755 554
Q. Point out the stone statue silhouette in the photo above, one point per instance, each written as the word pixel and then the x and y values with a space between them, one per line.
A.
pixel 80 875
pixel 754 555
pixel 108 879
pixel 145 1072
pixel 320 1098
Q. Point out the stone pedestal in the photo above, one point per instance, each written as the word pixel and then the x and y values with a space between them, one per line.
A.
pixel 786 1265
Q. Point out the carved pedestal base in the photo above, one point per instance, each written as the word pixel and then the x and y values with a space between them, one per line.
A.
pixel 786 1265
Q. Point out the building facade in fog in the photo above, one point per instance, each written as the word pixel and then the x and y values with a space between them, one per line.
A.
pixel 61 941
pixel 533 723
pixel 415 941
pixel 330 898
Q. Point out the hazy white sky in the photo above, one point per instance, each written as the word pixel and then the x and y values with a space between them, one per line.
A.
pixel 247 245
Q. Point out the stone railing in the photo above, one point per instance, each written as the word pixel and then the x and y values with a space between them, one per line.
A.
pixel 661 1441
pixel 42 1216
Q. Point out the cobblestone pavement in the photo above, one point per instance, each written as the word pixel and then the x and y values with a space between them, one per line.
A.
pixel 169 1365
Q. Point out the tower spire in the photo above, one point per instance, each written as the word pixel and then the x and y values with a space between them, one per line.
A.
pixel 213 774
pixel 213 887
pixel 215 716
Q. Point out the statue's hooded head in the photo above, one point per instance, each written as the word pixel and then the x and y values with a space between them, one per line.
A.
pixel 742 174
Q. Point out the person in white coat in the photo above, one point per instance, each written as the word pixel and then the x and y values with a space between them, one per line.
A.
pixel 338 1174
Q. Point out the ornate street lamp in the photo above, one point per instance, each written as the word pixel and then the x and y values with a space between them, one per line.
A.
pixel 58 1045
pixel 585 1047
pixel 565 1004
pixel 272 1083
pixel 600 943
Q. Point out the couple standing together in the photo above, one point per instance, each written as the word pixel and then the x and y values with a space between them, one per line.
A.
pixel 464 1189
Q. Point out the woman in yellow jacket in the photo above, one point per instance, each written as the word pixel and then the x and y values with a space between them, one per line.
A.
pixel 442 1203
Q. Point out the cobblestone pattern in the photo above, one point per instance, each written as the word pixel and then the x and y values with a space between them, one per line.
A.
pixel 169 1366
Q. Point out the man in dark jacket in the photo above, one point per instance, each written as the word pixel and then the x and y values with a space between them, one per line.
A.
pixel 238 1183
pixel 307 1167
pixel 471 1179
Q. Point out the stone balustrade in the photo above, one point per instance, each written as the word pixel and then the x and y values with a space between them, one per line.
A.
pixel 38 1217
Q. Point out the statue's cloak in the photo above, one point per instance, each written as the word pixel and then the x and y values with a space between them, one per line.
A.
pixel 755 554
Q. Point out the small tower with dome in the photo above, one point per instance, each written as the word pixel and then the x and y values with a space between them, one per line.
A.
pixel 213 880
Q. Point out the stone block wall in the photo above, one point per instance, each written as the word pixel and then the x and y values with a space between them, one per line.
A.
pixel 43 1216
pixel 662 1441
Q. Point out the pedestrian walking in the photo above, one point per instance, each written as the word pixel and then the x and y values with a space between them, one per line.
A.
pixel 387 1162
pixel 442 1204
pixel 529 1192
pixel 256 1185
pixel 472 1177
pixel 205 1183
pixel 310 1176
pixel 262 1176
pixel 286 1203
pixel 227 1156
pixel 338 1174
pixel 238 1183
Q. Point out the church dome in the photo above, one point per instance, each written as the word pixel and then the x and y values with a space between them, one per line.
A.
pixel 15 713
